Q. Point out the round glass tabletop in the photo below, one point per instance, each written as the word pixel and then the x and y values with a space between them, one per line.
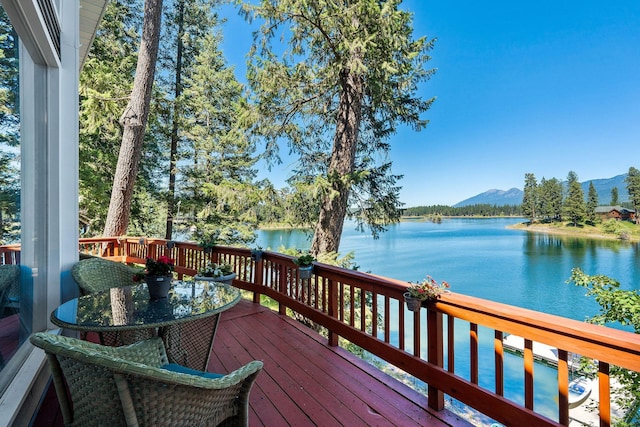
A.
pixel 130 307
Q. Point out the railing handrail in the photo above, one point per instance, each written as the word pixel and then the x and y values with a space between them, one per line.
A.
pixel 324 298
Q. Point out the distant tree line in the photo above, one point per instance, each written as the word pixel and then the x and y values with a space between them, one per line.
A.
pixel 470 210
pixel 550 200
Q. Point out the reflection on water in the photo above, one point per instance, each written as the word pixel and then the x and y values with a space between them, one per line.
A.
pixel 482 258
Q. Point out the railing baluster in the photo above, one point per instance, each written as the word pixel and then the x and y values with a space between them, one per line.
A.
pixel 363 310
pixel 386 319
pixel 498 350
pixel 374 314
pixel 528 374
pixel 563 387
pixel 451 341
pixel 473 352
pixel 416 333
pixel 604 391
pixel 401 326
pixel 435 354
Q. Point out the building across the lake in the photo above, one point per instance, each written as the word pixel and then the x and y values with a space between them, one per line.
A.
pixel 616 212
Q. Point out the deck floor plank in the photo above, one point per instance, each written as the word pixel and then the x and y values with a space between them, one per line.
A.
pixel 305 382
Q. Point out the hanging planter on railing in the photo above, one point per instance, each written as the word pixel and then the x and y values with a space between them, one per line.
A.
pixel 427 290
pixel 305 265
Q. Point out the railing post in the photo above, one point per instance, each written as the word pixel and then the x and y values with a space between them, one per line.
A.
pixel 258 278
pixel 435 352
pixel 333 310
pixel 282 283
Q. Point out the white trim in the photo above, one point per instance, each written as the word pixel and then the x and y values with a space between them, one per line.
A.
pixel 27 20
pixel 22 397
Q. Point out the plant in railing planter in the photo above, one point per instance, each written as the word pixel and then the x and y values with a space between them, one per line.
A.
pixel 216 273
pixel 426 290
pixel 305 265
pixel 256 254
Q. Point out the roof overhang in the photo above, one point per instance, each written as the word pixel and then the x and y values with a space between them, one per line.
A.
pixel 38 23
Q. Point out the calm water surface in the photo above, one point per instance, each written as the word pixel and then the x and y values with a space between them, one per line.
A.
pixel 482 258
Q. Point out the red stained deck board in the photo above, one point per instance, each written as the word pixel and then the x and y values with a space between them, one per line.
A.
pixel 296 382
pixel 344 385
pixel 304 381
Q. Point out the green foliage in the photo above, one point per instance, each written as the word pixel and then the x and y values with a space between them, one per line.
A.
pixel 530 201
pixel 438 211
pixel 611 226
pixel 616 306
pixel 592 204
pixel 9 134
pixel 614 197
pixel 356 56
pixel 574 207
pixel 105 85
pixel 550 195
pixel 633 187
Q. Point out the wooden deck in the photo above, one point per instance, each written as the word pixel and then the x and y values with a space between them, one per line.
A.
pixel 304 382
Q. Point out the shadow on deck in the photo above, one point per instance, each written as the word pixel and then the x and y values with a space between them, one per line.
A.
pixel 304 382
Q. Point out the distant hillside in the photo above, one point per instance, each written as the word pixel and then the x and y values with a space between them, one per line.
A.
pixel 494 197
pixel 514 196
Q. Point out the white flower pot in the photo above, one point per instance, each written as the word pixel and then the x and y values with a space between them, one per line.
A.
pixel 228 279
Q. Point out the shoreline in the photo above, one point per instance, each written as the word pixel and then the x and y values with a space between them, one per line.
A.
pixel 576 232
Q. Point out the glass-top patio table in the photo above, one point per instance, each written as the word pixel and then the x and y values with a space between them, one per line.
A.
pixel 186 320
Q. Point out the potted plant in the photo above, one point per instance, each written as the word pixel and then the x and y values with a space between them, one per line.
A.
pixel 305 265
pixel 426 290
pixel 158 275
pixel 216 273
pixel 256 254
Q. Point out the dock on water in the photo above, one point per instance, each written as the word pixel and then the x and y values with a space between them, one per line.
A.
pixel 541 352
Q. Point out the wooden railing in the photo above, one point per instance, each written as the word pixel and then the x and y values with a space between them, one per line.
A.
pixel 364 309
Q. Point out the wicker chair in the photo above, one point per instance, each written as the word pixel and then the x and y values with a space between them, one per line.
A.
pixel 9 288
pixel 97 274
pixel 131 385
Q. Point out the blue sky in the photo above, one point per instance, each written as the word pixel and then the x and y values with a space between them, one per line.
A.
pixel 542 87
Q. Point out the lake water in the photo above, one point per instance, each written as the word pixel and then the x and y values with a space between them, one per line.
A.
pixel 483 258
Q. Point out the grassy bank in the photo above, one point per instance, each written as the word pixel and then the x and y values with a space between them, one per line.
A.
pixel 599 231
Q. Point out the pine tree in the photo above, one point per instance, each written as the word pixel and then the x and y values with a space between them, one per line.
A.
pixel 592 204
pixel 348 78
pixel 530 197
pixel 633 187
pixel 574 205
pixel 614 197
pixel 134 123
pixel 218 183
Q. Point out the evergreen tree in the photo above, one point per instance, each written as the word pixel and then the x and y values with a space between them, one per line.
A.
pixel 550 194
pixel 530 197
pixel 134 123
pixel 574 205
pixel 614 197
pixel 592 204
pixel 9 132
pixel 633 187
pixel 218 183
pixel 348 78
pixel 105 84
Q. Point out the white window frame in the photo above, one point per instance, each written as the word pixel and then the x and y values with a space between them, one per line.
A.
pixel 49 185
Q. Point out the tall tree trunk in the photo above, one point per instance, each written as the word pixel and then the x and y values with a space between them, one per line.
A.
pixel 171 197
pixel 333 211
pixel 134 122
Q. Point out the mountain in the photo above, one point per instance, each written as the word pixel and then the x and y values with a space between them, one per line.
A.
pixel 494 197
pixel 514 196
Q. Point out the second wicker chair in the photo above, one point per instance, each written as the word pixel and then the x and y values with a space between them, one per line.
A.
pixel 132 385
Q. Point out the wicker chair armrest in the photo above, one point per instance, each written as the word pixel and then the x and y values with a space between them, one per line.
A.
pixel 149 352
